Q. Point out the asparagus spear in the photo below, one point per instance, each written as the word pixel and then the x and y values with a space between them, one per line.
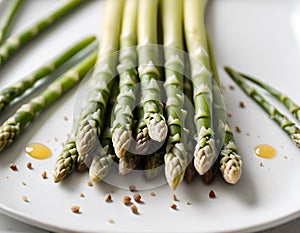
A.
pixel 91 118
pixel 204 155
pixel 66 161
pixel 285 124
pixel 18 88
pixel 286 101
pixel 16 41
pixel 8 16
pixel 122 126
pixel 148 56
pixel 154 163
pixel 13 126
pixel 176 156
pixel 128 162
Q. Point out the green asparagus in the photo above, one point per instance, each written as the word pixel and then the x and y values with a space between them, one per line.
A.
pixel 16 41
pixel 122 126
pixel 154 163
pixel 176 156
pixel 7 18
pixel 285 124
pixel 148 56
pixel 91 117
pixel 286 101
pixel 14 125
pixel 195 35
pixel 128 162
pixel 18 88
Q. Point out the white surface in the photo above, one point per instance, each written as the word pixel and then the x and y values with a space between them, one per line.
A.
pixel 256 37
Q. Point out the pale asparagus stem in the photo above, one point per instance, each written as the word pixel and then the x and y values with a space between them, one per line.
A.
pixel 18 40
pixel 92 115
pixel 8 17
pixel 104 155
pixel 292 107
pixel 230 162
pixel 66 161
pixel 16 89
pixel 176 155
pixel 122 126
pixel 12 127
pixel 154 164
pixel 201 74
pixel 149 74
pixel 142 137
pixel 285 124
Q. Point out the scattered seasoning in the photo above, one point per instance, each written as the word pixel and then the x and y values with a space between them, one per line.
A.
pixel 241 104
pixel 212 194
pixel 237 129
pixel 112 190
pixel 75 209
pixel 126 200
pixel 56 139
pixel 23 183
pixel 29 165
pixel 89 183
pixel 285 157
pixel 134 209
pixel 188 203
pixel 247 134
pixel 261 164
pixel 44 175
pixel 174 197
pixel 152 194
pixel 229 115
pixel 132 188
pixel 137 197
pixel 107 198
pixel 13 167
pixel 81 195
pixel 231 87
pixel 66 118
pixel 111 220
pixel 25 199
pixel 173 206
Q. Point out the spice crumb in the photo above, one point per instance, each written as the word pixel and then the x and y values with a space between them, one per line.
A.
pixel 13 167
pixel 173 206
pixel 66 118
pixel 134 209
pixel 89 183
pixel 126 200
pixel 111 220
pixel 261 164
pixel 188 203
pixel 108 198
pixel 23 183
pixel 175 197
pixel 132 188
pixel 285 157
pixel 29 165
pixel 137 197
pixel 212 194
pixel 56 139
pixel 229 115
pixel 81 195
pixel 112 190
pixel 25 199
pixel 241 104
pixel 75 209
pixel 152 194
pixel 44 175
pixel 237 129
pixel 231 87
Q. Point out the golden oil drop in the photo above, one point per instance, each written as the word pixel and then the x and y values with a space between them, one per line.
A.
pixel 38 151
pixel 265 151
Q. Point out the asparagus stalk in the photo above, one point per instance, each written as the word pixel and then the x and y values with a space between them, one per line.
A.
pixel 285 124
pixel 195 34
pixel 13 126
pixel 91 118
pixel 148 56
pixel 154 164
pixel 7 18
pixel 16 41
pixel 176 156
pixel 285 100
pixel 122 126
pixel 128 162
pixel 18 88
pixel 66 161
pixel 105 154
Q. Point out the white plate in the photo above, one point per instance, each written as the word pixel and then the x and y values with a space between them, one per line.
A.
pixel 261 38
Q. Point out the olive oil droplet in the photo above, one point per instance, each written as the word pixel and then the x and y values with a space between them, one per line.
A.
pixel 38 151
pixel 265 151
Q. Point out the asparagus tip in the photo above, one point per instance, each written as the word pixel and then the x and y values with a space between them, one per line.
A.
pixel 158 130
pixel 121 141
pixel 203 158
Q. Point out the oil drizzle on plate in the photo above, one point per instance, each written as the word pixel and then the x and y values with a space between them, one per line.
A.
pixel 265 151
pixel 38 151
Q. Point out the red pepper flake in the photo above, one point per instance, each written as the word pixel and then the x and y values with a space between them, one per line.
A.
pixel 212 194
pixel 173 206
